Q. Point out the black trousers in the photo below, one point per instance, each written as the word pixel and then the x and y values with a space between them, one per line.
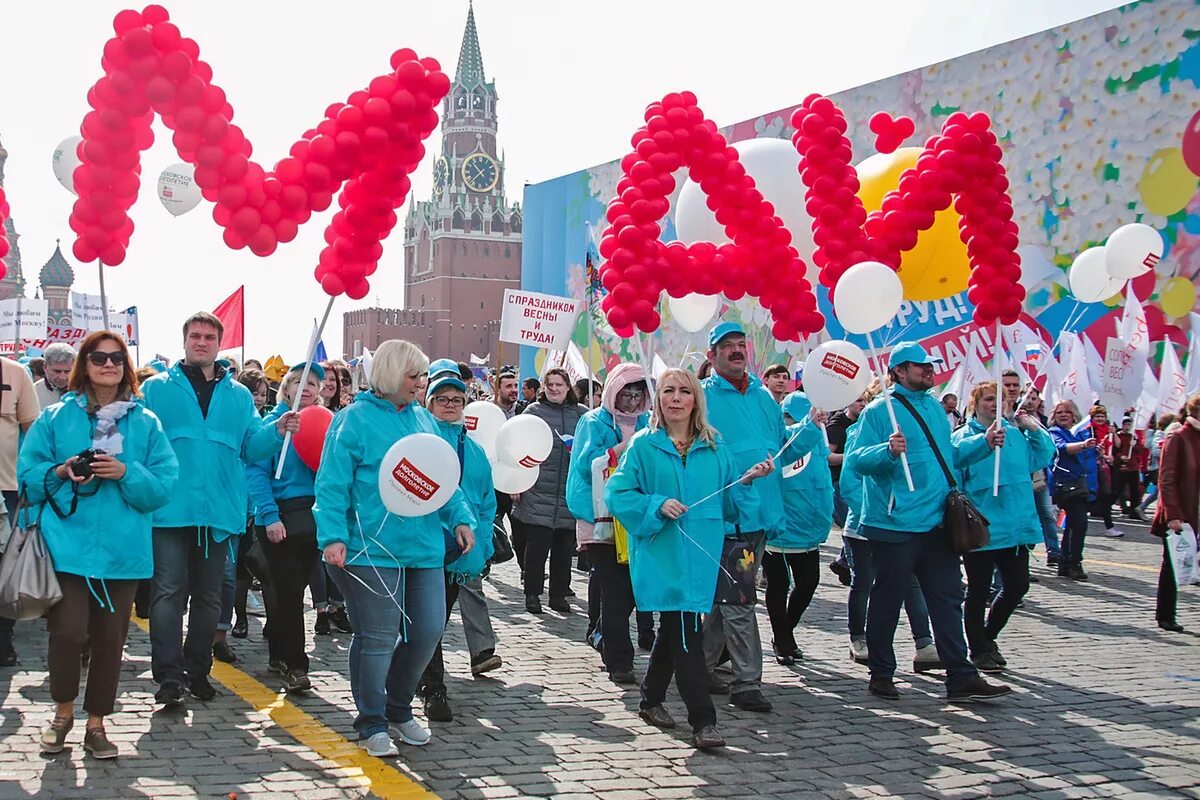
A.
pixel 504 506
pixel 290 563
pixel 434 677
pixel 1168 591
pixel 616 604
pixel 1128 484
pixel 1013 563
pixel 540 542
pixel 679 651
pixel 784 609
pixel 1075 532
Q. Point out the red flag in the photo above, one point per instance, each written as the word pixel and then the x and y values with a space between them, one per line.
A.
pixel 232 313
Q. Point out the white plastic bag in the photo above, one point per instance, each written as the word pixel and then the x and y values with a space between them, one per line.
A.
pixel 1182 547
pixel 603 531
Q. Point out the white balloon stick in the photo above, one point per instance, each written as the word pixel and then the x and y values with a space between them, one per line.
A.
pixel 887 402
pixel 998 350
pixel 312 349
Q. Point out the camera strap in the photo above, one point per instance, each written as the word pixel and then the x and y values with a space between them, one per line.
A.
pixel 50 496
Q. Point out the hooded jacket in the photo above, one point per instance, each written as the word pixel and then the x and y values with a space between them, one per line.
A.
pixel 480 494
pixel 296 481
pixel 596 434
pixel 545 503
pixel 807 493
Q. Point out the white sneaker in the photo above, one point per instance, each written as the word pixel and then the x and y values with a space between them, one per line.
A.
pixel 1114 533
pixel 858 649
pixel 380 745
pixel 411 732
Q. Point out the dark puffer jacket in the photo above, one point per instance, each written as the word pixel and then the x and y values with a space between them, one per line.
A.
pixel 545 504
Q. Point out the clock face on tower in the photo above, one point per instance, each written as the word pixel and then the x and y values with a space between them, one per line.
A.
pixel 441 174
pixel 480 172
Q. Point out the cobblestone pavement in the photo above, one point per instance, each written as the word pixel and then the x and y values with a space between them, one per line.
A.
pixel 1105 705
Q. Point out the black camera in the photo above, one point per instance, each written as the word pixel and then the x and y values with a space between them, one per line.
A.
pixel 81 467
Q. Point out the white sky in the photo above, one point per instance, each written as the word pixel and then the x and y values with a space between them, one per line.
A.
pixel 573 79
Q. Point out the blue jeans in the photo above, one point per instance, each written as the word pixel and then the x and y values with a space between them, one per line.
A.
pixel 862 577
pixel 229 585
pixel 937 568
pixel 188 571
pixel 840 507
pixel 325 594
pixel 1045 511
pixel 388 653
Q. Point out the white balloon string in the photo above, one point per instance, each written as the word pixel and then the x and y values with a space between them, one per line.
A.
pixel 887 402
pixel 707 554
pixel 392 595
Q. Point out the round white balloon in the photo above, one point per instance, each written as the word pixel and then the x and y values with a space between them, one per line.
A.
pixel 693 311
pixel 1133 250
pixel 65 160
pixel 514 480
pixel 1089 279
pixel 524 441
pixel 796 467
pixel 835 375
pixel 483 421
pixel 867 297
pixel 177 189
pixel 418 475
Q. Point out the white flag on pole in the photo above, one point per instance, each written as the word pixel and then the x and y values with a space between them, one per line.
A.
pixel 1193 359
pixel 1172 382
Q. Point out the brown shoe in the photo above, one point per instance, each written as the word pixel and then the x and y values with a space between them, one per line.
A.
pixel 96 742
pixel 658 716
pixel 708 738
pixel 54 738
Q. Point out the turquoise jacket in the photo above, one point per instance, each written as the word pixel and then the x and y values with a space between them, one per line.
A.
pixel 807 494
pixel 212 451
pixel 1012 516
pixel 595 435
pixel 480 492
pixel 887 503
pixel 349 509
pixel 851 483
pixel 296 481
pixel 109 535
pixel 752 426
pixel 673 564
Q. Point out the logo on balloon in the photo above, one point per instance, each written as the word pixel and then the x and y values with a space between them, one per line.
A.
pixel 470 423
pixel 529 462
pixel 839 365
pixel 414 480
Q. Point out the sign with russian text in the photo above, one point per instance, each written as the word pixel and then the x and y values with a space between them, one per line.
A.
pixel 538 320
pixel 22 318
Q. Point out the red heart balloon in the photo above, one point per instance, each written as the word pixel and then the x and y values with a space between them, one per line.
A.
pixel 310 439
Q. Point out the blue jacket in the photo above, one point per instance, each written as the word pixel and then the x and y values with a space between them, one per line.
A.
pixel 296 481
pixel 851 483
pixel 595 435
pixel 752 426
pixel 673 564
pixel 480 493
pixel 1012 516
pixel 348 507
pixel 1081 464
pixel 109 535
pixel 212 451
pixel 887 502
pixel 808 494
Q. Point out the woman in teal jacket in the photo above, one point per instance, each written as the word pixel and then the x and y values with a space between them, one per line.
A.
pixel 663 493
pixel 96 518
pixel 1015 526
pixel 796 548
pixel 390 568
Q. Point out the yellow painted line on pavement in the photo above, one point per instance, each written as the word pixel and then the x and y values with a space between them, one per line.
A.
pixel 380 777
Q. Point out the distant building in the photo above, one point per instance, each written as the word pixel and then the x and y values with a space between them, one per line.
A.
pixel 13 283
pixel 462 247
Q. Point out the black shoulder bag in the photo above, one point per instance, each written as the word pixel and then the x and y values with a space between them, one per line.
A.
pixel 962 521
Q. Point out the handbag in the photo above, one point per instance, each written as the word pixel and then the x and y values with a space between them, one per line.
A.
pixel 961 520
pixel 28 585
pixel 1069 487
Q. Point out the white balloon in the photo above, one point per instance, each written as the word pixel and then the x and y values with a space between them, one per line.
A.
pixel 796 467
pixel 1089 279
pixel 867 296
pixel 418 475
pixel 524 441
pixel 775 166
pixel 65 160
pixel 514 480
pixel 836 374
pixel 177 189
pixel 483 421
pixel 693 311
pixel 1133 250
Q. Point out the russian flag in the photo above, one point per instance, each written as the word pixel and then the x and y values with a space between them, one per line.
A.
pixel 1033 353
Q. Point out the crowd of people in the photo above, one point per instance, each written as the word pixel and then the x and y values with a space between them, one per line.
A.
pixel 168 491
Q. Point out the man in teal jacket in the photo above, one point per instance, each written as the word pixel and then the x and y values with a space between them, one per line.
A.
pixel 904 527
pixel 214 429
pixel 751 423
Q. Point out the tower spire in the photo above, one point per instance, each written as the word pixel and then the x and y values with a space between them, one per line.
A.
pixel 470 60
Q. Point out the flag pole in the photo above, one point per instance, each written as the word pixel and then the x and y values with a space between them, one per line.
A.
pixel 312 346
pixel 103 294
pixel 999 421
pixel 887 402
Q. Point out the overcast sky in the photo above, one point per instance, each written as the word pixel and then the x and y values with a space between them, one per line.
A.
pixel 572 78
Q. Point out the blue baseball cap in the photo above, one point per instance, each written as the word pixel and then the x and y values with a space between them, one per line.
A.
pixel 797 405
pixel 910 353
pixel 316 369
pixel 445 381
pixel 443 365
pixel 721 331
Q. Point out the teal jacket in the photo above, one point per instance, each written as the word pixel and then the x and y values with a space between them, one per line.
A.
pixel 296 481
pixel 851 483
pixel 212 451
pixel 807 494
pixel 1012 515
pixel 888 505
pixel 109 535
pixel 480 493
pixel 595 435
pixel 673 564
pixel 752 426
pixel 348 507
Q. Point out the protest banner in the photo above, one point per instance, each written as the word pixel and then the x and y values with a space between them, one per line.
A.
pixel 538 320
pixel 22 318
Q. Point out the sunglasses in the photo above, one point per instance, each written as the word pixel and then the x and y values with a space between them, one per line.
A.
pixel 99 358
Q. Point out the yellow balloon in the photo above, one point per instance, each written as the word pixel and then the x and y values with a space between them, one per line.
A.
pixel 937 267
pixel 1177 297
pixel 1166 185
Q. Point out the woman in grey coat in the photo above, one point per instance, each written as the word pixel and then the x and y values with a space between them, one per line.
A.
pixel 540 515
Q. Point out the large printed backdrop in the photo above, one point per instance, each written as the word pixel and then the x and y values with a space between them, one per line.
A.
pixel 1093 117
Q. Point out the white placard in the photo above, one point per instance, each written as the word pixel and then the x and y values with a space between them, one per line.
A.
pixel 22 318
pixel 538 320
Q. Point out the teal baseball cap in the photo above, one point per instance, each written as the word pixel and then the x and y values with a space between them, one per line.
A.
pixel 443 365
pixel 314 369
pixel 910 353
pixel 721 331
pixel 445 381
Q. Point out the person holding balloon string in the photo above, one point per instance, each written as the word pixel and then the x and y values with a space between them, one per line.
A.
pixel 677 490
pixel 386 490
pixel 1015 528
pixel 284 525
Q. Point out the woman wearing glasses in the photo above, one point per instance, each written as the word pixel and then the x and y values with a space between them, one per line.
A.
pixel 101 464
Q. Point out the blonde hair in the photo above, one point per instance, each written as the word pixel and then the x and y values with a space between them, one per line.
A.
pixel 287 388
pixel 1070 406
pixel 392 362
pixel 977 393
pixel 698 426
